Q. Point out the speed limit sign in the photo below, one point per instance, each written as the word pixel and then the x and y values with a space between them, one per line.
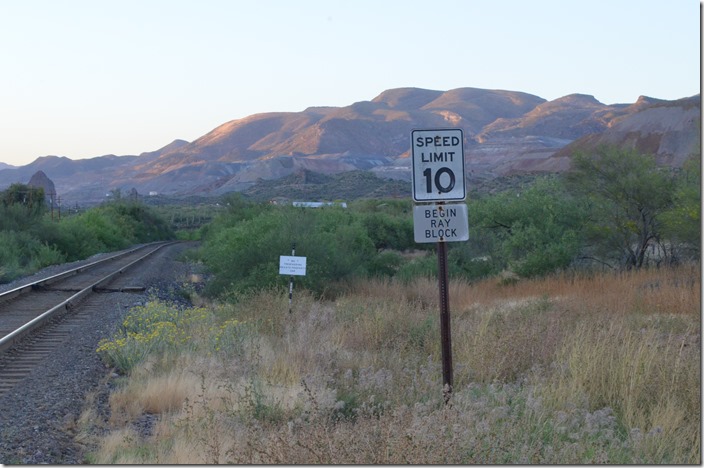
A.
pixel 438 165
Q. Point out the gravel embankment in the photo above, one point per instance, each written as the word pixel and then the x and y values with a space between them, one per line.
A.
pixel 39 417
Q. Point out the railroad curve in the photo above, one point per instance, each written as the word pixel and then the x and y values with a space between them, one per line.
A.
pixel 40 415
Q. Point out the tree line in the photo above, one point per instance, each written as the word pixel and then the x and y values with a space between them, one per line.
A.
pixel 29 240
pixel 615 209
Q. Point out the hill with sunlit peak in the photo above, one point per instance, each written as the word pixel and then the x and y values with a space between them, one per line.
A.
pixel 506 132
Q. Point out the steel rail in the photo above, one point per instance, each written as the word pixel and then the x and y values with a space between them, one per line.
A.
pixel 29 287
pixel 13 337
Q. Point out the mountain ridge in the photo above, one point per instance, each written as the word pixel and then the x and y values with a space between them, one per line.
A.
pixel 506 132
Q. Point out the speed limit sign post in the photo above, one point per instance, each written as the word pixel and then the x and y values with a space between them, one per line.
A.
pixel 438 177
pixel 438 165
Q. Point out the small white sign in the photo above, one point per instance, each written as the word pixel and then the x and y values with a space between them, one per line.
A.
pixel 438 165
pixel 440 223
pixel 289 265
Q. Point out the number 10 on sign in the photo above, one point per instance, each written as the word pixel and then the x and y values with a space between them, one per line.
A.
pixel 438 165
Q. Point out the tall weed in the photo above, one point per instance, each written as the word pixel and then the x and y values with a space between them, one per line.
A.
pixel 650 378
pixel 545 372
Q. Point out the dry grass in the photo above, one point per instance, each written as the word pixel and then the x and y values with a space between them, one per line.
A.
pixel 670 291
pixel 153 393
pixel 569 369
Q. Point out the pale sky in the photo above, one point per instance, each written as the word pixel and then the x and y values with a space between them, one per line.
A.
pixel 88 78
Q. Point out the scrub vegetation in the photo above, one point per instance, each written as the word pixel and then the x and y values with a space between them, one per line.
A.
pixel 616 210
pixel 576 326
pixel 576 333
pixel 31 238
pixel 546 371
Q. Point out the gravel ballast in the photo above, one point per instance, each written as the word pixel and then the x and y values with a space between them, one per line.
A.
pixel 39 416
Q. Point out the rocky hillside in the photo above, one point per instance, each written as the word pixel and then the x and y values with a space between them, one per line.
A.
pixel 671 130
pixel 506 132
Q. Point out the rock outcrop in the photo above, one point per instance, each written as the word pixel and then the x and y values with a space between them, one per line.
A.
pixel 40 180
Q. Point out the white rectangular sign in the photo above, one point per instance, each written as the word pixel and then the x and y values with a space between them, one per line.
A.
pixel 440 223
pixel 438 165
pixel 289 265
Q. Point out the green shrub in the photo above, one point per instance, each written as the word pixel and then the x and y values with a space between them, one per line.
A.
pixel 389 232
pixel 29 241
pixel 532 231
pixel 245 255
pixel 385 264
pixel 21 254
pixel 109 227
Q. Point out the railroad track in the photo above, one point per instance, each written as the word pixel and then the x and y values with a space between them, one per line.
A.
pixel 36 318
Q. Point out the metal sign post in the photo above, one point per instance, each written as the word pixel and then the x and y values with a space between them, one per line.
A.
pixel 445 332
pixel 438 176
pixel 290 284
pixel 292 266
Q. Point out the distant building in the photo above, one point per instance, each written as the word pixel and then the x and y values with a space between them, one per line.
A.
pixel 153 194
pixel 319 204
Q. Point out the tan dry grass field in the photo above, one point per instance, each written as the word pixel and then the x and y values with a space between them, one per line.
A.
pixel 569 369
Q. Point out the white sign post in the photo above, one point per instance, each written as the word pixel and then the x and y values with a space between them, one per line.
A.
pixel 438 165
pixel 294 266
